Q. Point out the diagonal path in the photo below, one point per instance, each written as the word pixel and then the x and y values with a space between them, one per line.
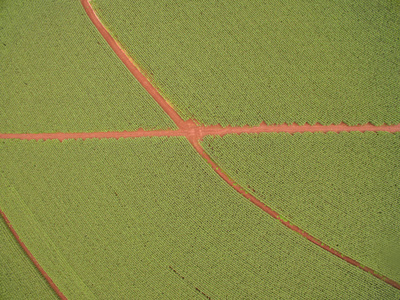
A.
pixel 285 222
pixel 194 132
pixel 32 258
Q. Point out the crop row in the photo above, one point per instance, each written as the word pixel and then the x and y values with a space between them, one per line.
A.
pixel 59 75
pixel 341 188
pixel 147 217
pixel 248 62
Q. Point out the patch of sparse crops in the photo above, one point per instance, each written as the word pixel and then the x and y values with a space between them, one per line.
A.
pixel 341 188
pixel 250 61
pixel 59 75
pixel 148 218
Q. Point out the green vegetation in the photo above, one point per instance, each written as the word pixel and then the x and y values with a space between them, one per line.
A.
pixel 341 188
pixel 19 278
pixel 148 218
pixel 58 74
pixel 274 61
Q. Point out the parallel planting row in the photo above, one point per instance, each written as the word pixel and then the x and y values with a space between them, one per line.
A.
pixel 274 61
pixel 148 217
pixel 19 278
pixel 59 75
pixel 342 188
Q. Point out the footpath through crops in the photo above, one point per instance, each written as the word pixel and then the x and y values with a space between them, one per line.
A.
pixel 198 136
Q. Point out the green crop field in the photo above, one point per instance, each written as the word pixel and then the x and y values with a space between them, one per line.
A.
pixel 342 188
pixel 148 218
pixel 157 218
pixel 58 74
pixel 274 61
pixel 19 278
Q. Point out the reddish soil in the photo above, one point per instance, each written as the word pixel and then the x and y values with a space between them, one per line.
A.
pixel 89 135
pixel 219 130
pixel 133 68
pixel 43 272
pixel 194 133
pixel 199 132
pixel 275 215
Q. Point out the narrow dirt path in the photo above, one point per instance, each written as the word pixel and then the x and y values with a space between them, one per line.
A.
pixel 200 131
pixel 90 135
pixel 31 257
pixel 133 68
pixel 194 133
pixel 285 222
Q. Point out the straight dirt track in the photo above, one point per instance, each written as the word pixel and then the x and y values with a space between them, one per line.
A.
pixel 198 132
pixel 194 133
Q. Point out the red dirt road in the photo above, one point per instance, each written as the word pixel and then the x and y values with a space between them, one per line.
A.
pixel 132 67
pixel 199 132
pixel 275 215
pixel 37 265
pixel 90 135
pixel 194 133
